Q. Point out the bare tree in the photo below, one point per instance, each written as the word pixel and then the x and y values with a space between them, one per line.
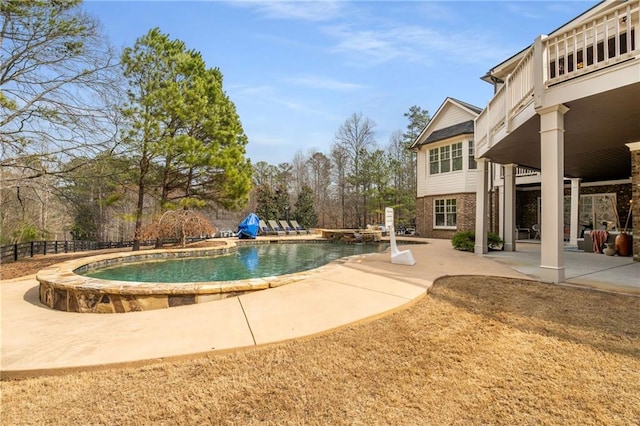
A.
pixel 356 137
pixel 299 174
pixel 57 92
pixel 56 75
pixel 320 171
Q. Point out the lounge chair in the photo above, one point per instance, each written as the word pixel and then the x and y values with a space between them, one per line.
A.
pixel 287 228
pixel 277 228
pixel 264 229
pixel 299 229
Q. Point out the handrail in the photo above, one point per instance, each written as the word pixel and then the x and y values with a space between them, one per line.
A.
pixel 563 56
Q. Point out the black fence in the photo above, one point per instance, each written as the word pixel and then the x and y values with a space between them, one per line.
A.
pixel 15 252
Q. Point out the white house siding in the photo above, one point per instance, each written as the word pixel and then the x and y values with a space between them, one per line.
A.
pixel 445 183
pixel 449 116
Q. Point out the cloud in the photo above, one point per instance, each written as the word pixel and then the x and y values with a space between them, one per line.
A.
pixel 314 11
pixel 416 44
pixel 318 82
pixel 275 99
pixel 526 11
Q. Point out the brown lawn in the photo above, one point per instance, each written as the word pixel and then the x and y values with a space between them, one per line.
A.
pixel 476 350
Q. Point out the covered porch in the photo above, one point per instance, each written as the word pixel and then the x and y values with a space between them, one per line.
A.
pixel 577 125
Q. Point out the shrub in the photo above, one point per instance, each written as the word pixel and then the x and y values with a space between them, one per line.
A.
pixel 466 240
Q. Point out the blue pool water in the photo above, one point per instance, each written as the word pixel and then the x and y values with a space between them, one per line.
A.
pixel 257 261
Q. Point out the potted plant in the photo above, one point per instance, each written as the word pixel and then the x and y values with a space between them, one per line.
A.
pixel 623 240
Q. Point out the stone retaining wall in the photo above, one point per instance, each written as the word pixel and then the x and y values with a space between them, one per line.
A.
pixel 61 287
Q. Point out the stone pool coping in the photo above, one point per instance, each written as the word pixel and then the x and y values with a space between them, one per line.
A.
pixel 62 288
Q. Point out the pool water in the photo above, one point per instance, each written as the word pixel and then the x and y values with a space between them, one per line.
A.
pixel 254 261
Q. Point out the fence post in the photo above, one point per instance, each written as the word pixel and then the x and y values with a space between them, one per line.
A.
pixel 31 245
pixel 15 252
pixel 44 250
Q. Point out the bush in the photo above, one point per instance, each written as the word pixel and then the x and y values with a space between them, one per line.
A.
pixel 466 241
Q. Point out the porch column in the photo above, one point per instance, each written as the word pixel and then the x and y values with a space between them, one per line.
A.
pixel 552 169
pixel 574 228
pixel 635 197
pixel 482 203
pixel 510 207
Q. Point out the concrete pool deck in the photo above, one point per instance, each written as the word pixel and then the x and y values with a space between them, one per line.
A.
pixel 36 340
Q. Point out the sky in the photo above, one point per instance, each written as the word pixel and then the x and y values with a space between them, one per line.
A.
pixel 296 71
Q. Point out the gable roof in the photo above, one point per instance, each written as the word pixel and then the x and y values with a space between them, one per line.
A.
pixel 457 129
pixel 449 132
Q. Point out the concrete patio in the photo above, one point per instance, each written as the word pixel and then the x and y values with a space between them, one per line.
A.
pixel 36 340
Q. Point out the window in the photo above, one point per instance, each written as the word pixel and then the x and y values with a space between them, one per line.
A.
pixel 445 213
pixel 448 158
pixel 445 156
pixel 434 161
pixel 456 156
pixel 596 209
pixel 472 156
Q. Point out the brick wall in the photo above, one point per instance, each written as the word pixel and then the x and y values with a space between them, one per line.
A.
pixel 465 215
pixel 527 202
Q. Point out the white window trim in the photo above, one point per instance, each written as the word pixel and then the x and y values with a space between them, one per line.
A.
pixel 444 227
pixel 464 158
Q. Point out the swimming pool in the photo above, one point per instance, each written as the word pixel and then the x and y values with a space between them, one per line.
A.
pixel 248 261
pixel 64 286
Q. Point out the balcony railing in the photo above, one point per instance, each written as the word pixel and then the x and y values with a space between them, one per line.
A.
pixel 606 39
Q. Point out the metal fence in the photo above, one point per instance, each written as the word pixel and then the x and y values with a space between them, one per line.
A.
pixel 15 252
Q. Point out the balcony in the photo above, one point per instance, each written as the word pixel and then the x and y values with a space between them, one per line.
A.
pixel 592 66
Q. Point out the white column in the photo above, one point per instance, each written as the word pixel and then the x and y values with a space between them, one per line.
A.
pixel 552 169
pixel 482 203
pixel 574 229
pixel 509 207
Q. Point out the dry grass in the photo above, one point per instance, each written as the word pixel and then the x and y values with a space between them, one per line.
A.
pixel 474 351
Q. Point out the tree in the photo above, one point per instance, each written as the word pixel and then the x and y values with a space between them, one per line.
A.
pixel 281 202
pixel 377 176
pixel 406 161
pixel 57 76
pixel 320 171
pixel 181 121
pixel 264 174
pixel 356 137
pixel 265 203
pixel 178 224
pixel 340 161
pixel 305 213
pixel 57 90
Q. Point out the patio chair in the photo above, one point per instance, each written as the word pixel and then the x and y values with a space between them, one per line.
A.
pixel 536 228
pixel 277 228
pixel 298 228
pixel 264 229
pixel 288 229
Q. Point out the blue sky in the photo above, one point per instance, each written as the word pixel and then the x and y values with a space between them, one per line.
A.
pixel 297 70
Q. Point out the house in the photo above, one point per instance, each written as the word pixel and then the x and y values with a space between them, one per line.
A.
pixel 446 171
pixel 558 145
pixel 568 106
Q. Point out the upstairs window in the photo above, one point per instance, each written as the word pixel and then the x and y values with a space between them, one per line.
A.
pixel 434 161
pixel 445 156
pixel 472 156
pixel 456 156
